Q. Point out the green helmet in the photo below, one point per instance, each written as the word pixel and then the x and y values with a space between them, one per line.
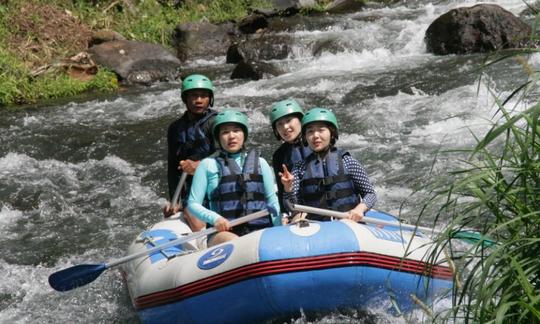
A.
pixel 197 81
pixel 230 116
pixel 284 108
pixel 319 115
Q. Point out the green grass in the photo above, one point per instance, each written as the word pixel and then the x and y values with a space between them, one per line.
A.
pixel 17 87
pixel 497 191
pixel 152 23
pixel 155 22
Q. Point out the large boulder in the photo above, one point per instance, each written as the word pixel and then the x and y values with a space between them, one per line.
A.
pixel 344 6
pixel 327 46
pixel 254 70
pixel 202 40
pixel 136 62
pixel 265 47
pixel 477 29
pixel 103 36
pixel 253 23
pixel 292 6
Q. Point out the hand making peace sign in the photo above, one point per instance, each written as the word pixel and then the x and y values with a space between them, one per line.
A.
pixel 286 179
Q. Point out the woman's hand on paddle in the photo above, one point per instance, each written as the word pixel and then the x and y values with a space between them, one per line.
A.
pixel 222 224
pixel 357 213
pixel 286 179
pixel 189 166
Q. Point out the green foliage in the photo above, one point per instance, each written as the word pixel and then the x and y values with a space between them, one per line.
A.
pixel 498 192
pixel 158 26
pixel 13 76
pixel 151 20
pixel 63 86
pixel 16 86
pixel 155 21
pixel 104 81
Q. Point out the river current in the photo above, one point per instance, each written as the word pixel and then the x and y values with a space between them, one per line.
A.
pixel 79 180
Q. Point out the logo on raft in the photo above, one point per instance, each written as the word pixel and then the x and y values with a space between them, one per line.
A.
pixel 215 257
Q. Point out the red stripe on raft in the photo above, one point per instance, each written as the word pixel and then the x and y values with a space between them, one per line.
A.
pixel 291 265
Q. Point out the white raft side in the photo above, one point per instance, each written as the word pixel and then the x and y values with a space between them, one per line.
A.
pixel 145 278
pixel 136 268
pixel 378 240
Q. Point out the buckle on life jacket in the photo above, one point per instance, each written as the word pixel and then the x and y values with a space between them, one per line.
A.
pixel 330 195
pixel 327 181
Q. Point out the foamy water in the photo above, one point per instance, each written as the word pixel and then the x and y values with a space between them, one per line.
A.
pixel 81 180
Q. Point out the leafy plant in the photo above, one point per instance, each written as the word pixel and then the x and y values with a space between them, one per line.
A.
pixel 16 86
pixel 497 191
pixel 30 40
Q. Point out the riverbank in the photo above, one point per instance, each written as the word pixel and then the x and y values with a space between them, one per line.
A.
pixel 40 40
pixel 43 43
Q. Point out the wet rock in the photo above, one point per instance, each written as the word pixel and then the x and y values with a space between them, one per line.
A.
pixel 344 6
pixel 253 23
pixel 136 62
pixel 254 70
pixel 477 29
pixel 233 54
pixel 265 47
pixel 104 35
pixel 327 46
pixel 265 12
pixel 298 22
pixel 292 7
pixel 202 40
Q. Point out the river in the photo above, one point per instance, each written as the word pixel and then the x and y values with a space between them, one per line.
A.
pixel 79 180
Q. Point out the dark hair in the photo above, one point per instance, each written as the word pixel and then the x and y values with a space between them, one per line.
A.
pixel 274 128
pixel 333 134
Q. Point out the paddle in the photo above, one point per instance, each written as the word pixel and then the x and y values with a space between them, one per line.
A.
pixel 83 274
pixel 176 195
pixel 175 199
pixel 468 236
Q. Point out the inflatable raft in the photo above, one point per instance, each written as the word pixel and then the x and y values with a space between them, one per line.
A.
pixel 279 271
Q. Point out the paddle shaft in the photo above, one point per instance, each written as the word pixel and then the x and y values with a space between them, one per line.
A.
pixel 178 190
pixel 188 238
pixel 331 213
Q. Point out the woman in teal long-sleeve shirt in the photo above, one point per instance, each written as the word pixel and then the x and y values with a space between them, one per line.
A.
pixel 233 182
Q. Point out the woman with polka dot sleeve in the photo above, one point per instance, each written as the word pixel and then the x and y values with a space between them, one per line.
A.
pixel 330 177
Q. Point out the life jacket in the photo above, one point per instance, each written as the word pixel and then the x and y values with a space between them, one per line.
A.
pixel 327 184
pixel 240 191
pixel 194 142
pixel 295 152
pixel 288 154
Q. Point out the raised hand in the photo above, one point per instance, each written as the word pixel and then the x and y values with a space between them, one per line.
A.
pixel 286 179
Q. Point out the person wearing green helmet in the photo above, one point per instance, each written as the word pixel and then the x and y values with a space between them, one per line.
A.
pixel 285 118
pixel 235 182
pixel 189 140
pixel 330 177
